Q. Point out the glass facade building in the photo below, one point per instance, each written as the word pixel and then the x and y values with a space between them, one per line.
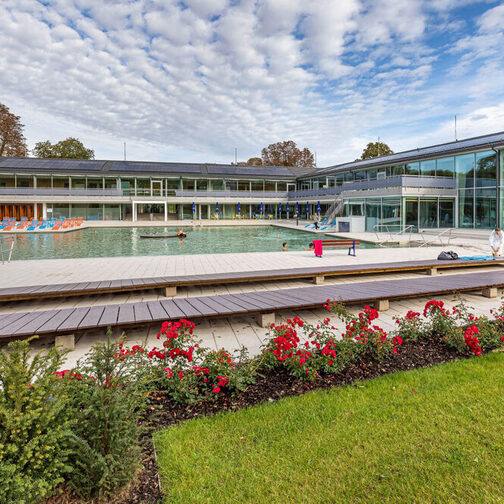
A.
pixel 459 184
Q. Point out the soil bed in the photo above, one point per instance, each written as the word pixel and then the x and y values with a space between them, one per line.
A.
pixel 270 386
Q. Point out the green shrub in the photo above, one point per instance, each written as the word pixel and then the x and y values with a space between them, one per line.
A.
pixel 109 396
pixel 34 424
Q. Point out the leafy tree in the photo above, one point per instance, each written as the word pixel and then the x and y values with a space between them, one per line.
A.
pixel 287 154
pixel 12 140
pixel 254 161
pixel 70 148
pixel 376 149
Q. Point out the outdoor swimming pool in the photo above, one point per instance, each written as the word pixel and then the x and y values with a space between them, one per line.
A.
pixel 114 242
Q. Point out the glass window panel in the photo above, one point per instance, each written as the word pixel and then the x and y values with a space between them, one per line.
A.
pixel 412 213
pixel 373 214
pixel 172 183
pixel 244 185
pixel 188 184
pixel 397 170
pixel 24 181
pixel 230 185
pixel 391 212
pixel 143 187
pixel 269 186
pixel 7 181
pixel 412 169
pixel 78 183
pixel 371 174
pixel 486 169
pixel 60 182
pixel 428 213
pixel 466 208
pixel 128 186
pixel 446 213
pixel 348 176
pixel 428 168
pixel 110 183
pixel 94 183
pixel 444 167
pixel 486 210
pixel 217 184
pixel 281 186
pixel 360 175
pixel 464 169
pixel 43 182
pixel 201 185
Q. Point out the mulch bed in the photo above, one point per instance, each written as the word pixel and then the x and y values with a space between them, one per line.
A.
pixel 273 385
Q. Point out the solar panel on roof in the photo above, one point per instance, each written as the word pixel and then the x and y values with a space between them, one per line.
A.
pixel 133 166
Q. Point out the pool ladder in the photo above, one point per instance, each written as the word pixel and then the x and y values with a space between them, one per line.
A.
pixel 6 252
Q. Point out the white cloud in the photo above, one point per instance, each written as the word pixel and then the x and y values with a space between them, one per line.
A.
pixel 192 80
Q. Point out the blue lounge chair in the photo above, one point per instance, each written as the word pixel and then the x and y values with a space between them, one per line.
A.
pixel 33 225
pixel 5 223
pixel 330 226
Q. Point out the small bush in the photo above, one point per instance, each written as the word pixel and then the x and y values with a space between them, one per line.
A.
pixel 34 424
pixel 109 394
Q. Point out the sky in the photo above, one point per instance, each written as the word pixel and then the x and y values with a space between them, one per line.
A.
pixel 192 80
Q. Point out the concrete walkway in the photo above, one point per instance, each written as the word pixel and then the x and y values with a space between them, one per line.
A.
pixel 52 271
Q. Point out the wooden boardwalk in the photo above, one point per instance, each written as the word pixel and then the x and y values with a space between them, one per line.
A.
pixel 73 320
pixel 139 284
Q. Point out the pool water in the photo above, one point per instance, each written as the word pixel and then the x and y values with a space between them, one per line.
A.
pixel 114 242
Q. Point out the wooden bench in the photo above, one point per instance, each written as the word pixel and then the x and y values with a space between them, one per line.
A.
pixel 65 323
pixel 169 284
pixel 343 243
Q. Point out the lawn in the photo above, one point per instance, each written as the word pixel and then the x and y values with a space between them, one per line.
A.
pixel 431 435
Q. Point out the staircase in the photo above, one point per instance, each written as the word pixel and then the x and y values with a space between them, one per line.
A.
pixel 335 210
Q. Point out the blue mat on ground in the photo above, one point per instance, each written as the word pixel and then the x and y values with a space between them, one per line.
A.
pixel 477 258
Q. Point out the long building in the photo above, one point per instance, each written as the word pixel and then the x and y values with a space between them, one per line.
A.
pixel 457 184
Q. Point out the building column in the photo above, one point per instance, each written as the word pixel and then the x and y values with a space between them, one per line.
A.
pixel 165 211
pixel 133 211
pixel 44 210
pixel 35 211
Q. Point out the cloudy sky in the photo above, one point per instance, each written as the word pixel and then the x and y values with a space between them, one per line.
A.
pixel 191 80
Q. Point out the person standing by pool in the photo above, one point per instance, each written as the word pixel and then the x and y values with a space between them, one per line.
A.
pixel 317 221
pixel 284 247
pixel 297 218
pixel 496 241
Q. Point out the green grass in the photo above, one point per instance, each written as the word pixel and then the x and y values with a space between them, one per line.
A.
pixel 430 435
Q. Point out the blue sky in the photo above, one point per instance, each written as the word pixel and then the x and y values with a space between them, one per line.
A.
pixel 190 81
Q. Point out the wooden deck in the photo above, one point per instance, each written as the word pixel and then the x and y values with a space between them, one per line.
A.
pixel 139 284
pixel 74 320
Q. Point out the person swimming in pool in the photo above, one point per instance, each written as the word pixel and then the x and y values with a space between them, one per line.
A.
pixel 181 232
pixel 284 247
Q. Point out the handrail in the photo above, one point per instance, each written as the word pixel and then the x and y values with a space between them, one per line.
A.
pixel 392 235
pixel 437 238
pixel 8 250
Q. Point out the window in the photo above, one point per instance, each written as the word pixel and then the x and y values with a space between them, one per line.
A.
pixel 94 183
pixel 243 185
pixel 486 169
pixel 464 168
pixel 44 182
pixel 412 169
pixel 201 185
pixel 7 181
pixel 230 185
pixel 110 183
pixel 188 184
pixel 257 185
pixel 128 186
pixel 444 167
pixel 61 183
pixel 428 168
pixel 143 187
pixel 24 181
pixel 281 186
pixel 217 184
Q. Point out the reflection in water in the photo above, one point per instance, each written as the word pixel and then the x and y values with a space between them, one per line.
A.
pixel 114 242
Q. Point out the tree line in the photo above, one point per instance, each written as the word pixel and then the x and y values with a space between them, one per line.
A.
pixel 286 153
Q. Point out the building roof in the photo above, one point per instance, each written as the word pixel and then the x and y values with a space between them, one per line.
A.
pixel 139 168
pixel 446 149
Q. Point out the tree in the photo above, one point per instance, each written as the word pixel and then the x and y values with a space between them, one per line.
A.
pixel 70 148
pixel 287 154
pixel 254 161
pixel 12 140
pixel 375 149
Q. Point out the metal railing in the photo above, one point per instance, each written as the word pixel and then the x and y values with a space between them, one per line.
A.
pixel 438 238
pixel 9 248
pixel 393 235
pixel 366 185
pixel 29 191
pixel 231 194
